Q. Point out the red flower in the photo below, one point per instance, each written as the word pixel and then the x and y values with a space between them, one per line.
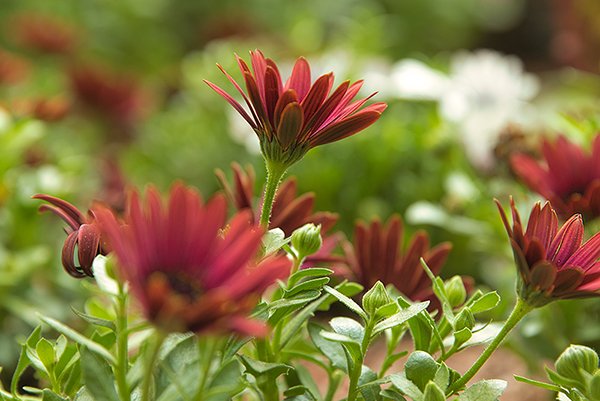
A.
pixel 116 98
pixel 569 178
pixel 189 270
pixel 552 263
pixel 290 211
pixel 82 232
pixel 291 118
pixel 44 33
pixel 377 255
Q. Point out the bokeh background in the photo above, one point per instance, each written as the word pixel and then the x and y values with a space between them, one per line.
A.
pixel 99 95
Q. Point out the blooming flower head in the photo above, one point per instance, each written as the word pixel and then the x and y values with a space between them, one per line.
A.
pixel 552 262
pixel 83 232
pixel 291 118
pixel 377 255
pixel 290 211
pixel 568 177
pixel 189 269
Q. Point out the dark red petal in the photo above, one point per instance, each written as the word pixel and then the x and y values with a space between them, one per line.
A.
pixel 567 240
pixel 256 101
pixel 68 256
pixel 286 98
pixel 65 210
pixel 290 124
pixel 587 255
pixel 345 128
pixel 88 241
pixel 272 81
pixel 259 66
pixel 534 176
pixel 294 213
pixel 567 280
pixel 325 110
pixel 300 78
pixel 238 107
pixel 542 276
pixel 239 89
pixel 316 95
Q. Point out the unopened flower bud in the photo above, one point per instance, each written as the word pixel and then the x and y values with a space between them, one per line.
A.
pixel 433 393
pixel 465 319
pixel 375 298
pixel 456 291
pixel 306 240
pixel 420 368
pixel 573 359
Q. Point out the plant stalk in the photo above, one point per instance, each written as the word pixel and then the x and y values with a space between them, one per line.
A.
pixel 521 309
pixel 122 348
pixel 150 364
pixel 274 174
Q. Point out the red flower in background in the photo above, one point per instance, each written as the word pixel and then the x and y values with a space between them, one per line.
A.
pixel 83 232
pixel 376 254
pixel 290 211
pixel 552 263
pixel 568 177
pixel 44 33
pixel 291 118
pixel 189 269
pixel 118 99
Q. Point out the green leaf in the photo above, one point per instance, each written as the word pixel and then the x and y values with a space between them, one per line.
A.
pixel 98 376
pixel 351 346
pixel 537 383
pixel 348 327
pixel 462 336
pixel 45 352
pixel 83 395
pixel 259 368
pixel 312 284
pixel 485 390
pixel 273 240
pixel 347 288
pixel 298 393
pixel 283 307
pixel 307 380
pixel 49 395
pixel 368 386
pixel 24 361
pixel 311 272
pixel 79 338
pixel 391 394
pixel 332 351
pixel 442 377
pixel 353 306
pixel 94 320
pixel 400 317
pixel 225 382
pixel 406 386
pixel 485 303
pixel 291 328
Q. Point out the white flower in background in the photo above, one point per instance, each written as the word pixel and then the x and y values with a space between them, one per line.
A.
pixel 482 93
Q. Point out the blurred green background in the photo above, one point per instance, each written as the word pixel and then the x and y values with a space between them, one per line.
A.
pixel 97 95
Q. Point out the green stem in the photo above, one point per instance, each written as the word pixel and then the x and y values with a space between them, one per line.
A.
pixel 357 368
pixel 521 309
pixel 122 347
pixel 267 386
pixel 274 174
pixel 206 356
pixel 149 365
pixel 334 382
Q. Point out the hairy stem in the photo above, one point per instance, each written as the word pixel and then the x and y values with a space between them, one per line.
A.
pixel 122 347
pixel 150 364
pixel 521 309
pixel 274 174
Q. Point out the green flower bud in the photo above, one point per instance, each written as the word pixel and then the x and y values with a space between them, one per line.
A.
pixel 375 298
pixel 420 368
pixel 455 291
pixel 433 393
pixel 575 358
pixel 306 240
pixel 465 319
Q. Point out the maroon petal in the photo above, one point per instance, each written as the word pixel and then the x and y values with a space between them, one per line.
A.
pixel 68 256
pixel 238 107
pixel 290 124
pixel 316 95
pixel 345 128
pixel 65 210
pixel 325 110
pixel 587 255
pixel 567 240
pixel 542 276
pixel 300 78
pixel 88 241
pixel 567 280
pixel 272 90
pixel 287 97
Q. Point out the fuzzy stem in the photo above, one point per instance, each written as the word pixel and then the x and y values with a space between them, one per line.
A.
pixel 521 309
pixel 274 173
